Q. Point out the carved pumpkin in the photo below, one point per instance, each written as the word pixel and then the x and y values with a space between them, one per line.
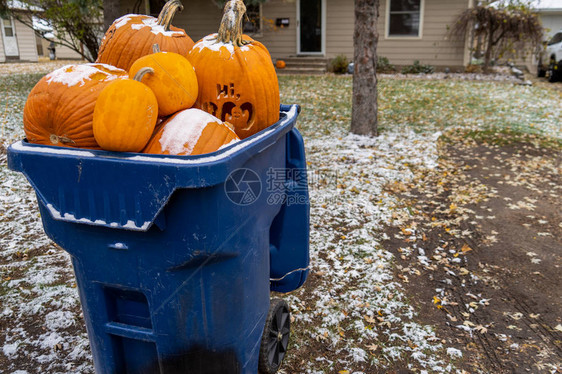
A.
pixel 174 81
pixel 191 132
pixel 125 114
pixel 132 36
pixel 60 108
pixel 237 80
pixel 280 64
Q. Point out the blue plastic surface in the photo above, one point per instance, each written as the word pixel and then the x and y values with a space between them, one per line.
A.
pixel 173 275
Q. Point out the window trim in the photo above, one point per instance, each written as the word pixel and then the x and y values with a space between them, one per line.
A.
pixel 406 37
pixel 260 32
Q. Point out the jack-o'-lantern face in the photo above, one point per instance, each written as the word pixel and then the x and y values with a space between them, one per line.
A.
pixel 231 107
pixel 237 80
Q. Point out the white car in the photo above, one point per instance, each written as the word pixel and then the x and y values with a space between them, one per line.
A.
pixel 550 62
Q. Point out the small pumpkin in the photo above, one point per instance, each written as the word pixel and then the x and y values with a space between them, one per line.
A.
pixel 60 108
pixel 191 132
pixel 125 114
pixel 173 82
pixel 237 79
pixel 132 36
pixel 280 64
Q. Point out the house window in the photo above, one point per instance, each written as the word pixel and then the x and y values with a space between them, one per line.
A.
pixel 8 29
pixel 404 18
pixel 156 7
pixel 253 23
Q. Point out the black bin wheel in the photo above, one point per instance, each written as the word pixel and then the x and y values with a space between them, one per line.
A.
pixel 275 338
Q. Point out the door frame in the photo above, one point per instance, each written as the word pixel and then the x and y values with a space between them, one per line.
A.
pixel 323 20
pixel 13 24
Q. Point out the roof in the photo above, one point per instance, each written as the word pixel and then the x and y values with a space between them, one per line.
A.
pixel 548 5
pixel 22 5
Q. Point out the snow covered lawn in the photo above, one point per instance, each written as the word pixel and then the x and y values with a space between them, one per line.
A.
pixel 352 316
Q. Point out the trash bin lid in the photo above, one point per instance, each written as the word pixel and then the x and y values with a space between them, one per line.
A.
pixel 85 186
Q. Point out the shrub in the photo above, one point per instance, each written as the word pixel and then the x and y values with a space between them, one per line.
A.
pixel 339 64
pixel 473 69
pixel 418 68
pixel 384 65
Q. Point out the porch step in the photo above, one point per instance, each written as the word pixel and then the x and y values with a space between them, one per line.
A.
pixel 303 66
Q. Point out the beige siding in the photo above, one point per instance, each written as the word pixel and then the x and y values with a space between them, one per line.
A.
pixel 202 17
pixel 281 42
pixel 433 47
pixel 340 20
pixel 26 42
pixel 199 18
pixel 2 56
pixel 62 52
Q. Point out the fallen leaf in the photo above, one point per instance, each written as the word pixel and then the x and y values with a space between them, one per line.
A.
pixel 465 248
pixel 481 329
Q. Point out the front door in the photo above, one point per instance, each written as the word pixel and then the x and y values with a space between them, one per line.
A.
pixel 9 37
pixel 311 15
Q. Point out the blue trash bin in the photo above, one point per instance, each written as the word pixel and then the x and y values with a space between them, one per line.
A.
pixel 175 256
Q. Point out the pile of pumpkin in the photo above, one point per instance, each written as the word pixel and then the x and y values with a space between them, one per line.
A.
pixel 153 90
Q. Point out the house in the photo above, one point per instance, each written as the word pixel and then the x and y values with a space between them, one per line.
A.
pixel 550 12
pixel 409 29
pixel 18 41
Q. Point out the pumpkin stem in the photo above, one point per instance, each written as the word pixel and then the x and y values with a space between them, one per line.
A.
pixel 156 48
pixel 142 72
pixel 168 12
pixel 230 30
pixel 55 139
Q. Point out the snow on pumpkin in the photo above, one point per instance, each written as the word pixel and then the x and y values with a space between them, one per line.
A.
pixel 59 109
pixel 191 132
pixel 78 75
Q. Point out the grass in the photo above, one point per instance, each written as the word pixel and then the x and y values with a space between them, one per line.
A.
pixel 485 108
pixel 426 105
pixel 476 109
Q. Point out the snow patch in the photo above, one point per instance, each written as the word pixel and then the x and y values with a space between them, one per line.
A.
pixel 151 22
pixel 182 132
pixel 78 75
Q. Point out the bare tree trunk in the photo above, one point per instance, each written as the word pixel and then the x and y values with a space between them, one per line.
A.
pixel 365 39
pixel 111 11
pixel 489 48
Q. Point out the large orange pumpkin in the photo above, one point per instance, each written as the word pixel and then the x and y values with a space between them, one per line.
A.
pixel 191 132
pixel 173 82
pixel 237 80
pixel 132 36
pixel 125 114
pixel 60 108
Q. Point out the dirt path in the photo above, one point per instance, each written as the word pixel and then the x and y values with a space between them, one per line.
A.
pixel 482 253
